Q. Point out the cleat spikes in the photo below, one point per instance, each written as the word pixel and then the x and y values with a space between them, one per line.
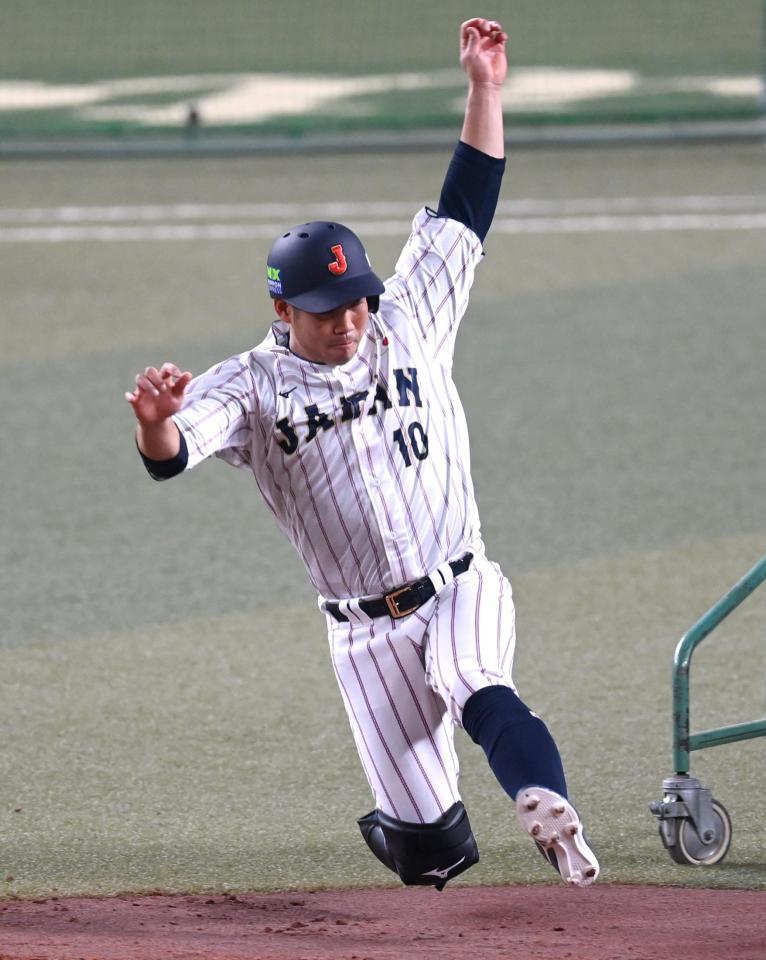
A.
pixel 563 844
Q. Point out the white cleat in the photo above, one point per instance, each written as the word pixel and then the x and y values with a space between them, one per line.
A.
pixel 555 826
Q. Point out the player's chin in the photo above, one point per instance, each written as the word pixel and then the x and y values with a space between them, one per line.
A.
pixel 343 350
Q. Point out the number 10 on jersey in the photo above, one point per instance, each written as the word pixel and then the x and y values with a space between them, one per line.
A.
pixel 418 443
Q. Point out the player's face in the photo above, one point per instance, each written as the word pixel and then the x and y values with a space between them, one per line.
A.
pixel 331 337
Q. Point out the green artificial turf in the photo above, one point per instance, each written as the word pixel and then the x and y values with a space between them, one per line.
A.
pixel 99 39
pixel 168 714
pixel 92 41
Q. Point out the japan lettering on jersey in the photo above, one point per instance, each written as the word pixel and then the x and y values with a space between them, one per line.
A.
pixel 365 465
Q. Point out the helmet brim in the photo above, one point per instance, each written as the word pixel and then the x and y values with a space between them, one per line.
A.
pixel 336 294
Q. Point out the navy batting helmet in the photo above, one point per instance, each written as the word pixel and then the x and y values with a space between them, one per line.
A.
pixel 319 266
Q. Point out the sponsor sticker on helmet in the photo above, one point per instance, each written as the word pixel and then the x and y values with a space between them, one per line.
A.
pixel 274 279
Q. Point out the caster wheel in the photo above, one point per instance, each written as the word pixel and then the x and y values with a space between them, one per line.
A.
pixel 689 850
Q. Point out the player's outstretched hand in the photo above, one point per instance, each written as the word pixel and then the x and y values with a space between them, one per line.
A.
pixel 158 394
pixel 482 51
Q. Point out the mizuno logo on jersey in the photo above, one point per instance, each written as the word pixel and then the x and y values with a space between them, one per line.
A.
pixel 352 407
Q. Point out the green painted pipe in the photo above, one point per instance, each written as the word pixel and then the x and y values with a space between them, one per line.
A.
pixel 683 741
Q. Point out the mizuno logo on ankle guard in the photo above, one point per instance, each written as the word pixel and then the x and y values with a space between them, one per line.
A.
pixel 442 874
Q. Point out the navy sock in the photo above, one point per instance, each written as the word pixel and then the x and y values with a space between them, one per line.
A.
pixel 518 745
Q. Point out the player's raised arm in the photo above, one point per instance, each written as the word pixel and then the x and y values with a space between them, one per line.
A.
pixel 472 185
pixel 482 56
pixel 157 396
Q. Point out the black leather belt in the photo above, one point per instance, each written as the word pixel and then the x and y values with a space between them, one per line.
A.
pixel 404 600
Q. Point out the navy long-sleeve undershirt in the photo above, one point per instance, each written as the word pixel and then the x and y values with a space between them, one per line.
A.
pixel 471 188
pixel 165 469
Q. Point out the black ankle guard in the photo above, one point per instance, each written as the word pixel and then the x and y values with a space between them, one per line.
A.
pixel 423 854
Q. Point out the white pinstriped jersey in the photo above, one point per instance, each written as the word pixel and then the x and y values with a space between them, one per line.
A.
pixel 365 465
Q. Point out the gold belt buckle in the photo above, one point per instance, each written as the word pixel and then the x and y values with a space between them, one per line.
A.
pixel 393 606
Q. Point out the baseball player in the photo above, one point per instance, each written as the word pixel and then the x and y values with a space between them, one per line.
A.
pixel 348 418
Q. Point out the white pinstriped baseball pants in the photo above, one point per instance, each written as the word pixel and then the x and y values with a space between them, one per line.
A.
pixel 405 682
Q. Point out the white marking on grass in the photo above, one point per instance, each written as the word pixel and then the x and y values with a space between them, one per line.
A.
pixel 648 223
pixel 33 95
pixel 548 87
pixel 602 223
pixel 719 86
pixel 231 99
pixel 687 202
pixel 283 212
pixel 38 95
pixel 253 98
pixel 225 98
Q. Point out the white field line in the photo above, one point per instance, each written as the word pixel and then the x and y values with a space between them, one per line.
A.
pixel 638 223
pixel 190 221
pixel 647 223
pixel 299 212
pixel 252 98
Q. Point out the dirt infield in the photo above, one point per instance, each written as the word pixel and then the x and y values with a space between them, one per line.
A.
pixel 527 923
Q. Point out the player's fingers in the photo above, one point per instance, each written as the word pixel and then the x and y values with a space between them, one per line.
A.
pixel 144 383
pixel 181 383
pixel 152 375
pixel 487 28
pixel 470 39
pixel 468 29
pixel 169 369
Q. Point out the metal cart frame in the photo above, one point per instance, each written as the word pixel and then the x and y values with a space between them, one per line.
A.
pixel 695 828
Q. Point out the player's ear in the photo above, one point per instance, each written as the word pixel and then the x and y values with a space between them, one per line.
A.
pixel 283 310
